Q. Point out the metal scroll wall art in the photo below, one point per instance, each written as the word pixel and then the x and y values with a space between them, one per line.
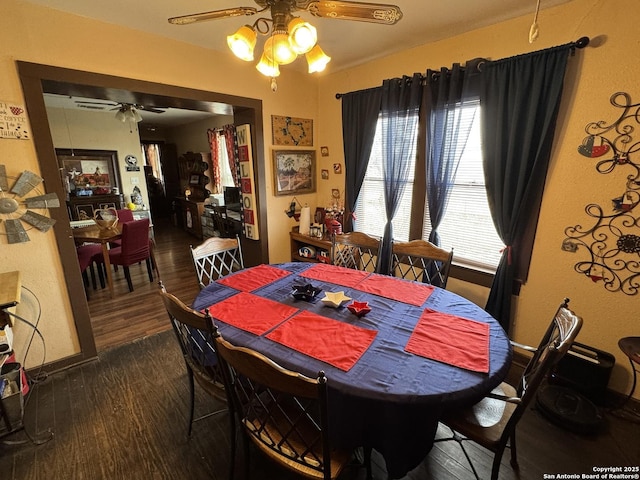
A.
pixel 18 211
pixel 613 240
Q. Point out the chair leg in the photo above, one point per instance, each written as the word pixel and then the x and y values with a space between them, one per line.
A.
pixel 149 270
pixel 192 399
pixel 92 272
pixel 367 462
pixel 233 440
pixel 127 275
pixel 101 274
pixel 514 453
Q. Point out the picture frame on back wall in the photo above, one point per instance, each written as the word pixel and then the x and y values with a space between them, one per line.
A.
pixel 294 172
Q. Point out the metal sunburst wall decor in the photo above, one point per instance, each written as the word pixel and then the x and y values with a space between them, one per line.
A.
pixel 16 210
pixel 613 239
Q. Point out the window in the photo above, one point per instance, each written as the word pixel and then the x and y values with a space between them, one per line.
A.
pixel 370 213
pixel 466 227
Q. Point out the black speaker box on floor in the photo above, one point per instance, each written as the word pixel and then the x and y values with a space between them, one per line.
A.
pixel 586 370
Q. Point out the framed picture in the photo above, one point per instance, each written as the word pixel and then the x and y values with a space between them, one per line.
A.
pixel 291 131
pixel 83 170
pixel 324 173
pixel 324 151
pixel 84 212
pixel 294 171
pixel 194 179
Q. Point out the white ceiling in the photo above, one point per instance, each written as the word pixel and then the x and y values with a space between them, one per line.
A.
pixel 348 43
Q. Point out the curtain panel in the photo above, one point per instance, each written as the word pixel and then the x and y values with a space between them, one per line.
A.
pixel 401 98
pixel 360 112
pixel 519 98
pixel 216 175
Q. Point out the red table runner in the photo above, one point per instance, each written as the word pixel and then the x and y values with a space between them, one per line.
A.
pixel 346 277
pixel 331 341
pixel 251 313
pixel 250 280
pixel 395 289
pixel 452 340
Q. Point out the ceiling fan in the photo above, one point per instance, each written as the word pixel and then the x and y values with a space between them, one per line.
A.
pixel 116 106
pixel 289 35
pixel 359 11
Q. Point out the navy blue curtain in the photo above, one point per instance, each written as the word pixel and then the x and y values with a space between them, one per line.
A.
pixel 520 97
pixel 447 126
pixel 360 112
pixel 401 98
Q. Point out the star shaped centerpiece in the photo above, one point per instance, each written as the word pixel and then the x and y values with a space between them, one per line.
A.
pixel 359 308
pixel 305 292
pixel 335 299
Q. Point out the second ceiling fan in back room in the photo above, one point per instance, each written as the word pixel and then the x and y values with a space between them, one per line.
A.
pixel 124 111
pixel 290 35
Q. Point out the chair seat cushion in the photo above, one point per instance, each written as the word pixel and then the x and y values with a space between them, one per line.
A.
pixel 484 421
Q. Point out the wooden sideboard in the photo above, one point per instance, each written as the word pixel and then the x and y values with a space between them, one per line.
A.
pixel 82 208
pixel 299 241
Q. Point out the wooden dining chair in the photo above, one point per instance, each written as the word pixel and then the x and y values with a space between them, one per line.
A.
pixel 422 261
pixel 283 413
pixel 194 333
pixel 491 423
pixel 136 247
pixel 355 250
pixel 215 258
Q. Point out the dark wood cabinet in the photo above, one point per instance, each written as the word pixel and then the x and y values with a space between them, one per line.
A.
pixel 189 216
pixel 305 248
pixel 82 208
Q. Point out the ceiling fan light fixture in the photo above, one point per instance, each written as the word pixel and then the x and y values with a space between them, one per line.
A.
pixel 243 42
pixel 302 35
pixel 317 59
pixel 277 48
pixel 120 115
pixel 268 67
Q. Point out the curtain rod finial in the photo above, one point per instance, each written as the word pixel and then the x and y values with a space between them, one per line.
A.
pixel 582 42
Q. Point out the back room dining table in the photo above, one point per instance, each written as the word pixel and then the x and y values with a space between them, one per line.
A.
pixel 391 371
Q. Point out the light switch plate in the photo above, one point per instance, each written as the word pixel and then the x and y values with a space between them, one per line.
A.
pixel 135 180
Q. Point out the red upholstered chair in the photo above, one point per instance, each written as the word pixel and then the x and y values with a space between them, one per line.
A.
pixel 135 247
pixel 124 215
pixel 87 255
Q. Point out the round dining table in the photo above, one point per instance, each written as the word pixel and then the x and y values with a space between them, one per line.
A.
pixel 396 353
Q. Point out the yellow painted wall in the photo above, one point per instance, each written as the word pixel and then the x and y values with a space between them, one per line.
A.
pixel 41 35
pixel 611 64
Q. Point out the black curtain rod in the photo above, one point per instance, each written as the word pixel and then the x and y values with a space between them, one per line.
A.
pixel 580 43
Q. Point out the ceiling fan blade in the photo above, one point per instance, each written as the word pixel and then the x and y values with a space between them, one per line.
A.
pixel 94 103
pixel 201 17
pixel 359 11
pixel 151 109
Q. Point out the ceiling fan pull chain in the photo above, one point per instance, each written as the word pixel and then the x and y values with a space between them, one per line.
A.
pixel 534 31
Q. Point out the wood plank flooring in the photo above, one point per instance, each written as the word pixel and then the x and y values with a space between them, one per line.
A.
pixel 133 315
pixel 123 416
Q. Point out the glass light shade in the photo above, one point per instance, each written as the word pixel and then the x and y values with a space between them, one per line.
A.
pixel 243 42
pixel 302 36
pixel 120 115
pixel 268 67
pixel 277 47
pixel 135 115
pixel 317 59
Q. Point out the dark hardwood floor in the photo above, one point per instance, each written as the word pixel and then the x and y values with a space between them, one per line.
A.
pixel 133 315
pixel 123 415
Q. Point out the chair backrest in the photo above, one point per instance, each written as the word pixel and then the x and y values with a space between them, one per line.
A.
pixel 422 261
pixel 135 241
pixel 355 250
pixel 125 215
pixel 215 258
pixel 555 343
pixel 194 331
pixel 283 412
pixel 221 221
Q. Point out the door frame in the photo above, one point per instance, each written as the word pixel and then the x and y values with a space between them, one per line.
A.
pixel 37 79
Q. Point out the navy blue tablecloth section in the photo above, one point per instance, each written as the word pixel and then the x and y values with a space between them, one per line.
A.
pixel 390 399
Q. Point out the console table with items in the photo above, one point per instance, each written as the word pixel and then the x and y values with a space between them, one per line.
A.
pixel 305 248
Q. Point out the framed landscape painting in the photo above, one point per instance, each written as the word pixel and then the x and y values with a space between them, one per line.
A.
pixel 294 171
